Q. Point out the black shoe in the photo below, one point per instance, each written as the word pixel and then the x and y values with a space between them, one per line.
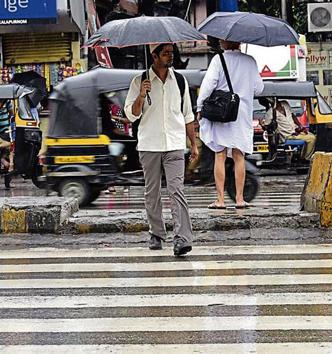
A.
pixel 155 243
pixel 181 246
pixel 7 181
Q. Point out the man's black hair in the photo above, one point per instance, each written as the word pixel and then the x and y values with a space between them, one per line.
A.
pixel 160 48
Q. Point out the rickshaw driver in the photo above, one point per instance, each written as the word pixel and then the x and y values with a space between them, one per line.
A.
pixel 289 127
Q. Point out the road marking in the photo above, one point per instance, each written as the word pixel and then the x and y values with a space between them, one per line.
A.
pixel 241 348
pixel 151 324
pixel 162 266
pixel 144 252
pixel 273 279
pixel 229 299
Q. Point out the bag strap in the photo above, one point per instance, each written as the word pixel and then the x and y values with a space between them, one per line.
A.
pixel 223 63
pixel 180 82
pixel 182 86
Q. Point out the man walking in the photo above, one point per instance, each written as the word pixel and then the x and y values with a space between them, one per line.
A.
pixel 164 123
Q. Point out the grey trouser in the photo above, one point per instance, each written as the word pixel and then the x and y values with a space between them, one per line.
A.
pixel 173 164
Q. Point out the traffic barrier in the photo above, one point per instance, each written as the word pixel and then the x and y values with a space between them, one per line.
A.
pixel 35 214
pixel 317 192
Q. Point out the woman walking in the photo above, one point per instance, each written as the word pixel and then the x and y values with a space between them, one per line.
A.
pixel 234 139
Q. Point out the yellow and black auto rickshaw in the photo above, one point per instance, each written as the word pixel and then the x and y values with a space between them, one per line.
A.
pixel 318 114
pixel 20 156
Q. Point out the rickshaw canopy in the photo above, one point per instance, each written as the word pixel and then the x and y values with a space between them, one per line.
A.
pixel 288 89
pixel 75 102
pixel 14 91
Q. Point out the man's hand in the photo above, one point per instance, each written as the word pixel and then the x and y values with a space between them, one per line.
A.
pixel 194 153
pixel 199 116
pixel 145 88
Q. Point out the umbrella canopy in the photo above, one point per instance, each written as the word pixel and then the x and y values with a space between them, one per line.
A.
pixel 32 79
pixel 144 30
pixel 249 27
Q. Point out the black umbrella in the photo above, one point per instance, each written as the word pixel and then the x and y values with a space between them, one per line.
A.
pixel 144 30
pixel 32 79
pixel 249 27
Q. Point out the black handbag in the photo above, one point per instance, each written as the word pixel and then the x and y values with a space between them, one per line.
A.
pixel 222 106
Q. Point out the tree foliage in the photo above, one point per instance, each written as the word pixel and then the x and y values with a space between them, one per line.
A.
pixel 296 11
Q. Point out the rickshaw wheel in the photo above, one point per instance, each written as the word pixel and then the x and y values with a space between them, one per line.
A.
pixel 251 187
pixel 75 188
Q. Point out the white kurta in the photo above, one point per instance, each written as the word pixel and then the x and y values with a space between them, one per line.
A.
pixel 246 82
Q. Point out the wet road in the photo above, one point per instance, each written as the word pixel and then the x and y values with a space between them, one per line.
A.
pixel 275 191
pixel 227 299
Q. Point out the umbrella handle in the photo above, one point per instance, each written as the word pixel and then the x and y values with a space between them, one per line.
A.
pixel 147 71
pixel 148 98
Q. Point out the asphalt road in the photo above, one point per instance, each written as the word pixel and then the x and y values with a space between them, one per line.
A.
pixel 264 298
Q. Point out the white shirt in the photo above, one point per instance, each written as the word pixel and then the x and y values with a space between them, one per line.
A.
pixel 246 82
pixel 163 125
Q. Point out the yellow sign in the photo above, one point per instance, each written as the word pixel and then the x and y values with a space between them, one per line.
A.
pixel 74 159
pixel 262 148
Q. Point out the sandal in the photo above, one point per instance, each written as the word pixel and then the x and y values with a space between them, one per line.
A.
pixel 215 206
pixel 242 206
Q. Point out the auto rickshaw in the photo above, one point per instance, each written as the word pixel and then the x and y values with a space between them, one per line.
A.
pixel 319 118
pixel 79 160
pixel 24 134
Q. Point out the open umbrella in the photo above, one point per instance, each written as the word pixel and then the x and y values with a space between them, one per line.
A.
pixel 32 79
pixel 249 27
pixel 144 30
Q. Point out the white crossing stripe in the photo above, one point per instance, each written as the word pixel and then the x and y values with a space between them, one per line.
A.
pixel 167 324
pixel 144 252
pixel 238 348
pixel 229 299
pixel 167 281
pixel 162 266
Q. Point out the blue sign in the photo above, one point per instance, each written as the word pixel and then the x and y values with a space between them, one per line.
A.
pixel 228 5
pixel 16 11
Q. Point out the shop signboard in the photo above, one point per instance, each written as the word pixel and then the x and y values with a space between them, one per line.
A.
pixel 16 12
pixel 275 63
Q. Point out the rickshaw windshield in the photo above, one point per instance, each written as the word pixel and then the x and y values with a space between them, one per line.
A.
pixel 323 107
pixel 24 109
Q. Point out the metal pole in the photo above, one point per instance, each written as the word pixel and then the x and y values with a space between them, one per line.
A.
pixel 284 10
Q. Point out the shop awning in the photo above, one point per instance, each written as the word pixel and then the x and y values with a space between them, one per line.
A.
pixel 69 20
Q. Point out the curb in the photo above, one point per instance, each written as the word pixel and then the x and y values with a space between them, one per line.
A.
pixel 35 214
pixel 135 221
pixel 317 192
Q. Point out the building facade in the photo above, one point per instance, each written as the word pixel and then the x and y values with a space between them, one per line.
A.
pixel 44 36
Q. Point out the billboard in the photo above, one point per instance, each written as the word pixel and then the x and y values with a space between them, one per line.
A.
pixel 15 12
pixel 273 63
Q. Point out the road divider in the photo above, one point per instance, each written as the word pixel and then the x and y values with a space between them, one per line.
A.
pixel 317 192
pixel 35 214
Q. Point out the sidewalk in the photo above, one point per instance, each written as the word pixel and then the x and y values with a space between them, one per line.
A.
pixel 110 221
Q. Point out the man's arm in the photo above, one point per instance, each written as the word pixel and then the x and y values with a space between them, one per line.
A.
pixel 190 130
pixel 190 122
pixel 135 98
pixel 140 99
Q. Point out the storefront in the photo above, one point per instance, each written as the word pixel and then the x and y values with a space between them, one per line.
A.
pixel 45 36
pixel 319 69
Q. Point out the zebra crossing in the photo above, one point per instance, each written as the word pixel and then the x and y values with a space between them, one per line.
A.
pixel 133 198
pixel 264 299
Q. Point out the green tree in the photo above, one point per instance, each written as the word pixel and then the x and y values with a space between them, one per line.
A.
pixel 296 11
